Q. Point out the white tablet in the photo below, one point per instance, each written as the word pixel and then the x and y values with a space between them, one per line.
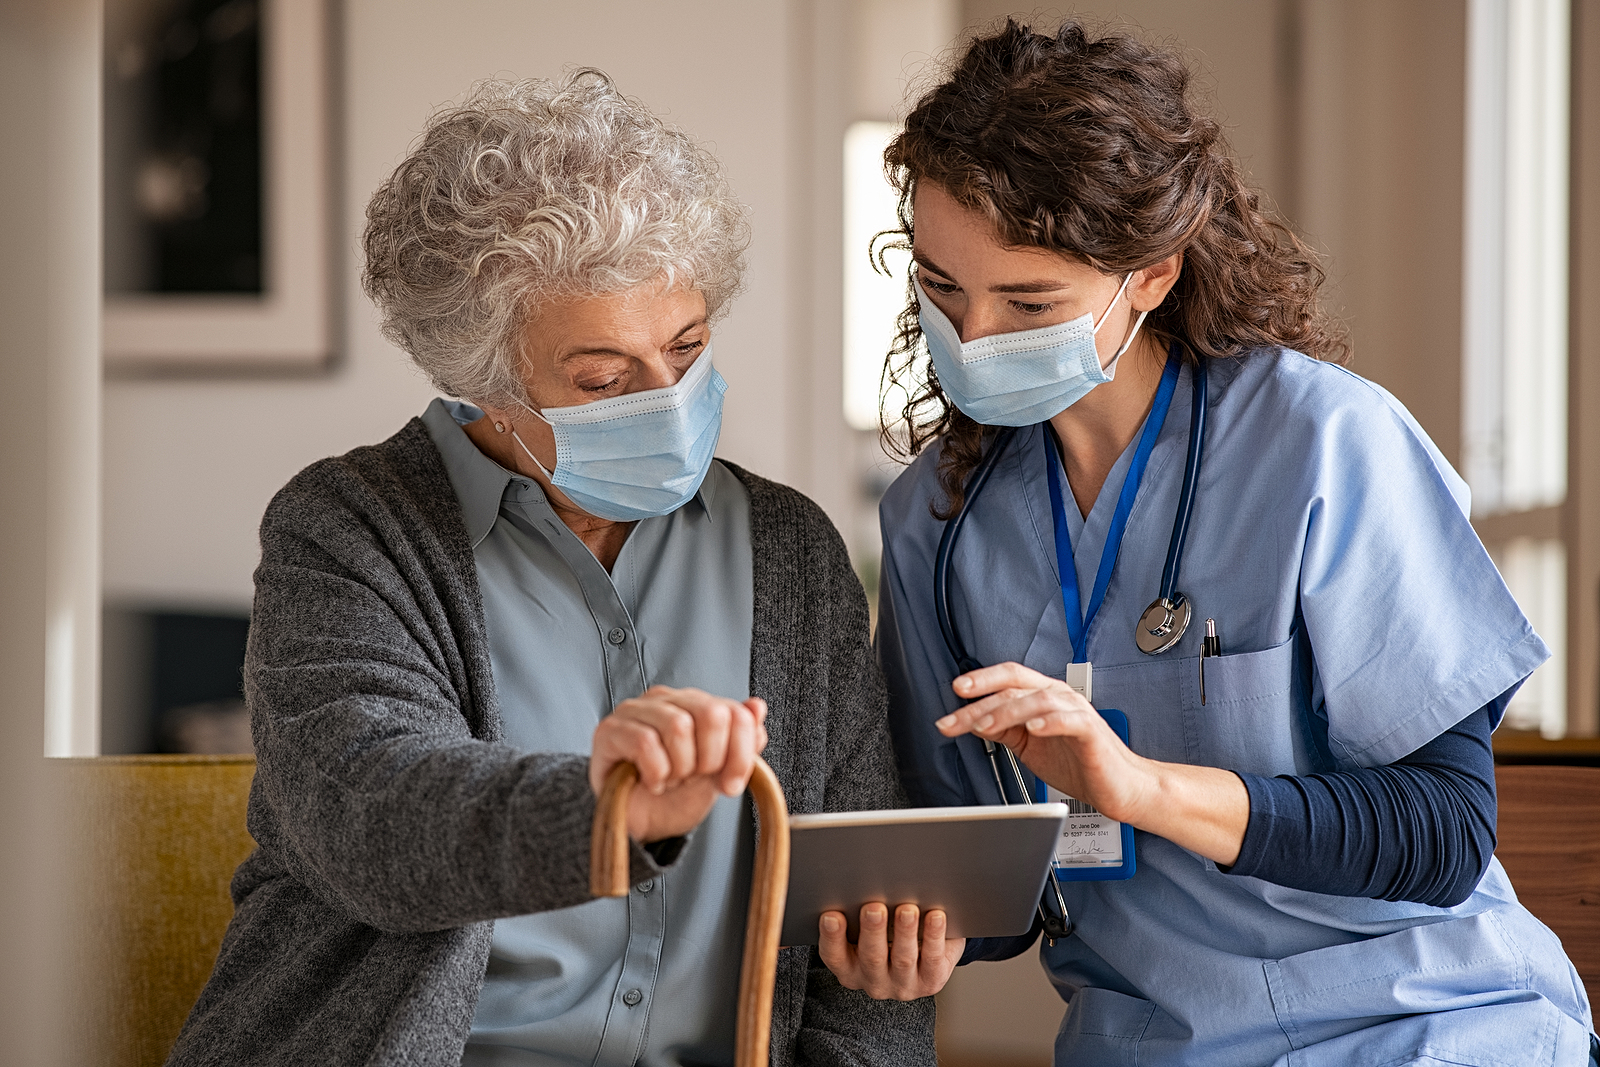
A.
pixel 984 866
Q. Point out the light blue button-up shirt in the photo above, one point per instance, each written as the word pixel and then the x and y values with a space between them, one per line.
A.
pixel 650 979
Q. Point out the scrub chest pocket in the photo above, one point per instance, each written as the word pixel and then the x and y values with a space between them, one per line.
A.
pixel 1257 713
pixel 1257 716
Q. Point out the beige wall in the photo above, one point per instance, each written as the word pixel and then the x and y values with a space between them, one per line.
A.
pixel 190 465
pixel 1381 154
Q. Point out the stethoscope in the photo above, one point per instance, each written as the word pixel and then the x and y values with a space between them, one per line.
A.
pixel 1160 627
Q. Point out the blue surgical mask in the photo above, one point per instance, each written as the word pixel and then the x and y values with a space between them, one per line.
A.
pixel 638 455
pixel 1018 379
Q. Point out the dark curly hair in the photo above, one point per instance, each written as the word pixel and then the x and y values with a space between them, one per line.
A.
pixel 1091 147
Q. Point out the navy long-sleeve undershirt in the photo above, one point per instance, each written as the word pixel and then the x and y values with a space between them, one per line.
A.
pixel 1420 829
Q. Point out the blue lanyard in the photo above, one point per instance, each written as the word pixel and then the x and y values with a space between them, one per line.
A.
pixel 1079 621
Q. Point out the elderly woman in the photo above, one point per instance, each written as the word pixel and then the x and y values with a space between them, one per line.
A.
pixel 458 631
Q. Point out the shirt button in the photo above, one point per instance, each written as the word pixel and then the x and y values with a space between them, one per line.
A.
pixel 632 997
pixel 617 635
pixel 645 887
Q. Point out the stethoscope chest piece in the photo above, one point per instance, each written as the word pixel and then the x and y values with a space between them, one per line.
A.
pixel 1162 624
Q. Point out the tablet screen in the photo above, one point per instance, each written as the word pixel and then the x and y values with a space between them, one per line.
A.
pixel 984 866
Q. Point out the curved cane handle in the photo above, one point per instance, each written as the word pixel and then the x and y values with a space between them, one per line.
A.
pixel 769 890
pixel 608 842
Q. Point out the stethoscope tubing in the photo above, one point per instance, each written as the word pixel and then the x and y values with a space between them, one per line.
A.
pixel 1198 404
pixel 947 542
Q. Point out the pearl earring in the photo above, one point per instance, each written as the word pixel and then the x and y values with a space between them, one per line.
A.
pixel 499 427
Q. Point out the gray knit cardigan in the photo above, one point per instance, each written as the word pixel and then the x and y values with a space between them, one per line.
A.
pixel 392 823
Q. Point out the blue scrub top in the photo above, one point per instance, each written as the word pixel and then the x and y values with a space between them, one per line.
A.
pixel 1360 617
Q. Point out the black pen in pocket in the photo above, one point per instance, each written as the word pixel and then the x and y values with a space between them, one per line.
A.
pixel 1209 646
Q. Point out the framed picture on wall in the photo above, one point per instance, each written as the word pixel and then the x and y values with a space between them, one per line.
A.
pixel 218 186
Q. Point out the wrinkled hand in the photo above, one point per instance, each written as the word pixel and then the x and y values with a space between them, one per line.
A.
pixel 909 969
pixel 1058 734
pixel 689 747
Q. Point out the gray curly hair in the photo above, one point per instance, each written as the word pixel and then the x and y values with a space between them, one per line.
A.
pixel 531 190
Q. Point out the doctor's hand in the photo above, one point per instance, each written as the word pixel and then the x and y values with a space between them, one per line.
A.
pixel 1063 739
pixel 1056 732
pixel 690 747
pixel 909 969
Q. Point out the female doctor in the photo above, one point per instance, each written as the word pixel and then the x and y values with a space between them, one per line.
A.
pixel 1136 434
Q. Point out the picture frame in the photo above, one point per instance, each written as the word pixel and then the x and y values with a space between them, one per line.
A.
pixel 289 326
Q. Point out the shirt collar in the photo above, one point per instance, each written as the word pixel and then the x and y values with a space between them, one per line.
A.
pixel 481 483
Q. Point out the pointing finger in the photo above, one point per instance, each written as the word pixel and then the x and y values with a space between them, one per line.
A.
pixel 987 680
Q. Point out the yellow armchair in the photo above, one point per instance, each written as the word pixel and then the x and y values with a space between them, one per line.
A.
pixel 156 839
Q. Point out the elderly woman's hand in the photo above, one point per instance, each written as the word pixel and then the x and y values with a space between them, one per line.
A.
pixel 917 964
pixel 689 747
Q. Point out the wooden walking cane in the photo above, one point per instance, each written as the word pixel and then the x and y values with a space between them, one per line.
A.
pixel 769 887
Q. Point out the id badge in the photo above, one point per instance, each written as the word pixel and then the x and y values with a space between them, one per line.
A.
pixel 1093 847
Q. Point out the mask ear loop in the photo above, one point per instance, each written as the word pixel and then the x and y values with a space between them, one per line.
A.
pixel 548 473
pixel 1111 367
pixel 518 438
